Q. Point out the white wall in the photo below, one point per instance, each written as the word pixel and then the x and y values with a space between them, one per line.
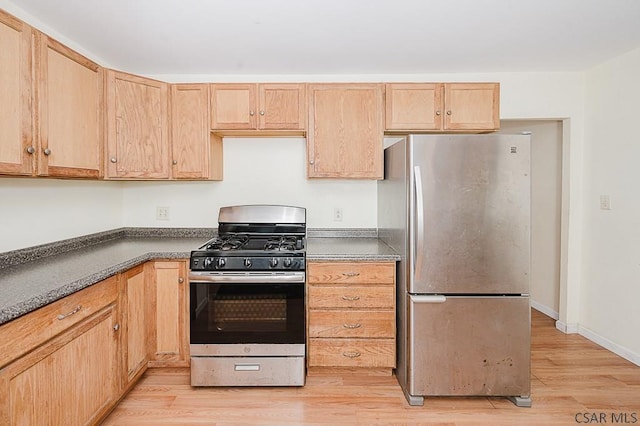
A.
pixel 611 267
pixel 38 211
pixel 256 171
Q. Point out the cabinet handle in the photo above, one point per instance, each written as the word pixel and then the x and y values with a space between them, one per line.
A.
pixel 352 326
pixel 180 280
pixel 351 298
pixel 438 113
pixel 116 327
pixel 261 112
pixel 354 354
pixel 351 274
pixel 449 112
pixel 68 314
pixel 114 160
pixel 252 113
pixel 46 151
pixel 31 150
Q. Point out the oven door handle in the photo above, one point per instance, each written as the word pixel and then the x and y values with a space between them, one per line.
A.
pixel 266 278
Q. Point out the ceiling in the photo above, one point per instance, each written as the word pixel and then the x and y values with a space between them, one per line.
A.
pixel 218 37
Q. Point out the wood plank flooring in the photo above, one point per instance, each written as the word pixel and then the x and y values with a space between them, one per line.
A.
pixel 573 380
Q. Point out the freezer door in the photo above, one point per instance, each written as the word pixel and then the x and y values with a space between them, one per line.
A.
pixel 469 346
pixel 469 214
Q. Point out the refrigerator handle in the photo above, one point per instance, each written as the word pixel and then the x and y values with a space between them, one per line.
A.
pixel 436 298
pixel 419 251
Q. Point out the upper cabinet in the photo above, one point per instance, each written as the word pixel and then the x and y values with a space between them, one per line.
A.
pixel 442 107
pixel 69 110
pixel 137 127
pixel 346 127
pixel 195 153
pixel 16 125
pixel 268 106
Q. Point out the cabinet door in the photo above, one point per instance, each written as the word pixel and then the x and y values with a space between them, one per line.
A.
pixel 69 381
pixel 169 342
pixel 413 106
pixel 195 154
pixel 345 138
pixel 134 323
pixel 282 106
pixel 70 112
pixel 233 106
pixel 16 136
pixel 472 106
pixel 137 127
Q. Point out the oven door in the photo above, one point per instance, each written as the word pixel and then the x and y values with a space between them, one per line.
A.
pixel 247 308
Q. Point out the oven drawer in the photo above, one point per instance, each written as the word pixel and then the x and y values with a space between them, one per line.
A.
pixel 351 296
pixel 351 272
pixel 247 371
pixel 352 353
pixel 352 324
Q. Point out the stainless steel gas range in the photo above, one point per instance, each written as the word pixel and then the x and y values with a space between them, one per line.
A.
pixel 247 302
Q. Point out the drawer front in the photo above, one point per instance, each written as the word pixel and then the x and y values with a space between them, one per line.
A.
pixel 378 324
pixel 352 353
pixel 247 371
pixel 21 335
pixel 351 296
pixel 351 272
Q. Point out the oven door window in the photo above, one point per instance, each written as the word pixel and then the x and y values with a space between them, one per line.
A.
pixel 247 313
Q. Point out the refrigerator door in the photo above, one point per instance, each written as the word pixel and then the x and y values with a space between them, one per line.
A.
pixel 461 345
pixel 469 214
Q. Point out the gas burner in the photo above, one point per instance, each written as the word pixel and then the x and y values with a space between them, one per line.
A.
pixel 283 243
pixel 227 242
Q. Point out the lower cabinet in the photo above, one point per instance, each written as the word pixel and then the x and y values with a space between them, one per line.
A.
pixel 70 379
pixel 351 315
pixel 133 301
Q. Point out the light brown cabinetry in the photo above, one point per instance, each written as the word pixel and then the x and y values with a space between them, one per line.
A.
pixel 135 335
pixel 16 118
pixel 195 153
pixel 442 106
pixel 137 127
pixel 351 314
pixel 69 112
pixel 169 343
pixel 67 378
pixel 346 127
pixel 266 106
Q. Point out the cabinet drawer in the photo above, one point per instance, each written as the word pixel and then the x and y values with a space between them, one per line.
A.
pixel 351 272
pixel 21 335
pixel 352 353
pixel 352 324
pixel 351 296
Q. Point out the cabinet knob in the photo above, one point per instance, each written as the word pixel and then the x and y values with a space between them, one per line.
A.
pixel 31 150
pixel 311 161
pixel 261 112
pixel 116 327
pixel 46 151
pixel 174 162
pixel 438 113
pixel 449 112
pixel 114 160
pixel 252 113
pixel 180 280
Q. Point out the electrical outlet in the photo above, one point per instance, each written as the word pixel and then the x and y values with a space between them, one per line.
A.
pixel 162 213
pixel 605 202
pixel 337 214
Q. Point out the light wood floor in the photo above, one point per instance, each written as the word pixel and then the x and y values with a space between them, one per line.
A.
pixel 570 376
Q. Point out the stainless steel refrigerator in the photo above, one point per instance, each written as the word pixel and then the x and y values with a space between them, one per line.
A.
pixel 457 209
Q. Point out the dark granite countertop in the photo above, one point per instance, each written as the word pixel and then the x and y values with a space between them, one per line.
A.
pixel 34 277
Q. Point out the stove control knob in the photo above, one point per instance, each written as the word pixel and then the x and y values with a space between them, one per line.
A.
pixel 273 262
pixel 207 262
pixel 247 263
pixel 287 262
pixel 221 262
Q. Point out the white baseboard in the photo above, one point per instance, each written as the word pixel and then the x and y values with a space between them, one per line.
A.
pixel 567 328
pixel 608 344
pixel 545 310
